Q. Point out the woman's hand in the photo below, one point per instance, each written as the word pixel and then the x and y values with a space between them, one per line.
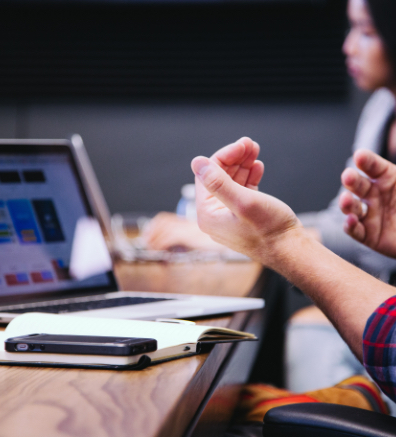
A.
pixel 168 231
pixel 370 203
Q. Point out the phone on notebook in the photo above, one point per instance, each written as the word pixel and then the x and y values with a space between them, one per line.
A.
pixel 80 344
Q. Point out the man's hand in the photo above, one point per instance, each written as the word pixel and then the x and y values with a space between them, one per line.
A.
pixel 371 217
pixel 239 161
pixel 268 231
pixel 231 210
pixel 167 231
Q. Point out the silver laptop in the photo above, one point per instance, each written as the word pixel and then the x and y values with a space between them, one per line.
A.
pixel 43 197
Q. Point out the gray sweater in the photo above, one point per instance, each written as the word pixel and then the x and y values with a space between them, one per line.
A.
pixel 329 222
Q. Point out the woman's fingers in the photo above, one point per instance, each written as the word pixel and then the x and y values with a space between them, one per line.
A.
pixel 355 228
pixel 356 183
pixel 371 164
pixel 351 205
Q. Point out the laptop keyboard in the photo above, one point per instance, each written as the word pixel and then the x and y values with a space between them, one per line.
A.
pixel 87 305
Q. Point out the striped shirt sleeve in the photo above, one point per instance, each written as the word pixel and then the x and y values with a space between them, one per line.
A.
pixel 379 347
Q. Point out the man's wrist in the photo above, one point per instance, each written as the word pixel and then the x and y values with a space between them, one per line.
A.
pixel 281 249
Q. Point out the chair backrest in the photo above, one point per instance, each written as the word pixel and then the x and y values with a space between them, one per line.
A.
pixel 326 420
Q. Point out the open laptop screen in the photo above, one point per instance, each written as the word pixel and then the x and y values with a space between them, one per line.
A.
pixel 41 200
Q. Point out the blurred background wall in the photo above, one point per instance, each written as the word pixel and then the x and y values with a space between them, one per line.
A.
pixel 149 85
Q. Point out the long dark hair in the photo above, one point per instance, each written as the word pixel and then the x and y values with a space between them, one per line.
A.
pixel 383 13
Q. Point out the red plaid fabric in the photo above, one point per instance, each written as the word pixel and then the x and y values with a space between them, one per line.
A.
pixel 379 347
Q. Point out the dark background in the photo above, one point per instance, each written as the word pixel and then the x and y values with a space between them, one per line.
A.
pixel 151 86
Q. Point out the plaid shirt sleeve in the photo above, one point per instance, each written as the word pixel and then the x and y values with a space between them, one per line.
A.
pixel 379 347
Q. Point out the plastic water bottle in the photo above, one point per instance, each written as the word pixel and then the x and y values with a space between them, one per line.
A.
pixel 186 206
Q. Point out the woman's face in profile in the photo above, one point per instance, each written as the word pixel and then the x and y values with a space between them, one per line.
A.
pixel 366 59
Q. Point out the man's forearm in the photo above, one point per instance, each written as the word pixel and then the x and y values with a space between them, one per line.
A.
pixel 346 294
pixel 267 230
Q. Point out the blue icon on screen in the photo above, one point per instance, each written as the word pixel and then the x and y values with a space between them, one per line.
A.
pixel 22 216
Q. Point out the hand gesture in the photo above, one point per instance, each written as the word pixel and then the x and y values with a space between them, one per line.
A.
pixel 231 210
pixel 370 203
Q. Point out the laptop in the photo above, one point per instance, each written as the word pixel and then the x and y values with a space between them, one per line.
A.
pixel 44 196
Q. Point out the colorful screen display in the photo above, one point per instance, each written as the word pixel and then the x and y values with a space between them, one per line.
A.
pixel 41 201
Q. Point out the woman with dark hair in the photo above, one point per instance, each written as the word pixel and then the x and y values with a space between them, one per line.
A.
pixel 318 357
pixel 370 49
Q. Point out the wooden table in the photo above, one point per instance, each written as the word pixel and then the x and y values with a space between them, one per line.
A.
pixel 178 398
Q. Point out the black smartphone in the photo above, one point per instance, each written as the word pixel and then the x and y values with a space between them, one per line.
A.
pixel 80 344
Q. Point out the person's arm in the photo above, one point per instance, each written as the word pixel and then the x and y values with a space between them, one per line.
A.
pixel 234 213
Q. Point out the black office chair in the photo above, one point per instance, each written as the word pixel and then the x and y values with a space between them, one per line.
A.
pixel 326 420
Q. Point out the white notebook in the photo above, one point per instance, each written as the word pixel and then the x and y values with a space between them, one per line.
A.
pixel 175 339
